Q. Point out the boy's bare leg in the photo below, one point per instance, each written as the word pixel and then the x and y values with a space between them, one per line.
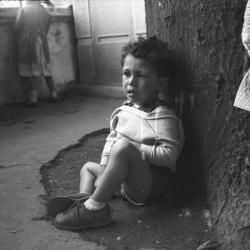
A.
pixel 62 203
pixel 88 176
pixel 125 167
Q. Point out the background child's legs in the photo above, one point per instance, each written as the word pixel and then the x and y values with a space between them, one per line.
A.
pixel 125 167
pixel 51 86
pixel 33 81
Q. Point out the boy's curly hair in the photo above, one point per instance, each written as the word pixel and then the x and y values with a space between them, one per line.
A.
pixel 151 50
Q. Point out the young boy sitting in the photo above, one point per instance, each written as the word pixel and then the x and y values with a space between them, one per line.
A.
pixel 140 152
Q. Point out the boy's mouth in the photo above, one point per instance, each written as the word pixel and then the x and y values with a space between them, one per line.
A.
pixel 130 93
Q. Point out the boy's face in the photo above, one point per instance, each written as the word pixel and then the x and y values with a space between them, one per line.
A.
pixel 140 81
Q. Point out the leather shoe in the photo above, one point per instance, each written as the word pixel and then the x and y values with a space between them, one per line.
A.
pixel 60 204
pixel 80 218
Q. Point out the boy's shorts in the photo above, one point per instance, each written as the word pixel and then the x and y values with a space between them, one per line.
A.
pixel 162 179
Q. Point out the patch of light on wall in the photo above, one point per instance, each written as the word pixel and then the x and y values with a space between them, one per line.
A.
pixel 62 3
pixel 17 3
pixel 10 4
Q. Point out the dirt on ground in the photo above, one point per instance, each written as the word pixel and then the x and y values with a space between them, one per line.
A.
pixel 166 224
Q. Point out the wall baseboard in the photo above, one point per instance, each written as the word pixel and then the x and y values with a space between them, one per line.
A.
pixel 98 90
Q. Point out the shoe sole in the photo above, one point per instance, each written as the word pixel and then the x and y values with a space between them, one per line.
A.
pixel 82 228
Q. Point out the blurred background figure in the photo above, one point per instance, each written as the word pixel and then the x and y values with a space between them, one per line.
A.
pixel 32 25
pixel 242 99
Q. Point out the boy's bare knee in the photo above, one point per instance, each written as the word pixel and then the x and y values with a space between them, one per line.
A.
pixel 83 169
pixel 87 167
pixel 123 145
pixel 92 168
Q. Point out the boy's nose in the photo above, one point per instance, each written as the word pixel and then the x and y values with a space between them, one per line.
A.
pixel 132 81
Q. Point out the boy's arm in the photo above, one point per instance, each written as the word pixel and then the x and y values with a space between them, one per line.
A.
pixel 109 142
pixel 165 154
pixel 168 143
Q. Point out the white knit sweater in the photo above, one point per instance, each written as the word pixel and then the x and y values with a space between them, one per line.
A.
pixel 159 134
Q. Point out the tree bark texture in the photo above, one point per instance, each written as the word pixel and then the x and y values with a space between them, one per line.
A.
pixel 206 38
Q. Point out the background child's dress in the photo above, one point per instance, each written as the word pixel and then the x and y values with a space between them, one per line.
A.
pixel 32 26
pixel 242 99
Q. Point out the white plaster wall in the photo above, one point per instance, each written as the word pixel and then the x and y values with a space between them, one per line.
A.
pixel 103 27
pixel 61 2
pixel 62 58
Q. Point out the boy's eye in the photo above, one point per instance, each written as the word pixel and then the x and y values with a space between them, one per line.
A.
pixel 140 74
pixel 126 73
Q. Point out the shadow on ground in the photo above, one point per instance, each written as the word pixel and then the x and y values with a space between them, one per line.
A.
pixel 19 113
pixel 167 224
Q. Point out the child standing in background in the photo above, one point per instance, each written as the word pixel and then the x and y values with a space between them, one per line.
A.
pixel 32 25
pixel 141 151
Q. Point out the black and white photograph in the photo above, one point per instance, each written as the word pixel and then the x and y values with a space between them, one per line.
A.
pixel 124 124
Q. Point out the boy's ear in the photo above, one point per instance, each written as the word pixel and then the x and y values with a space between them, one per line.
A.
pixel 162 87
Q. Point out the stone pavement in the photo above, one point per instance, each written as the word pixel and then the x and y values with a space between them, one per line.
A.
pixel 28 139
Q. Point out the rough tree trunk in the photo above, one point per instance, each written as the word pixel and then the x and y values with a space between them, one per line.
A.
pixel 206 35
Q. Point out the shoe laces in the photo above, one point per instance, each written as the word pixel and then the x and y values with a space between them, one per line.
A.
pixel 78 203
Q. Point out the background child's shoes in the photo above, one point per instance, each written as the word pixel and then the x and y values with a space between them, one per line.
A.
pixel 32 103
pixel 53 97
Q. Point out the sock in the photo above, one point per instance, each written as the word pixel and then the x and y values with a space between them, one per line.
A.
pixel 93 205
pixel 33 96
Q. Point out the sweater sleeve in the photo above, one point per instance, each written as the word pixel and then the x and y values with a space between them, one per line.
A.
pixel 165 155
pixel 169 139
